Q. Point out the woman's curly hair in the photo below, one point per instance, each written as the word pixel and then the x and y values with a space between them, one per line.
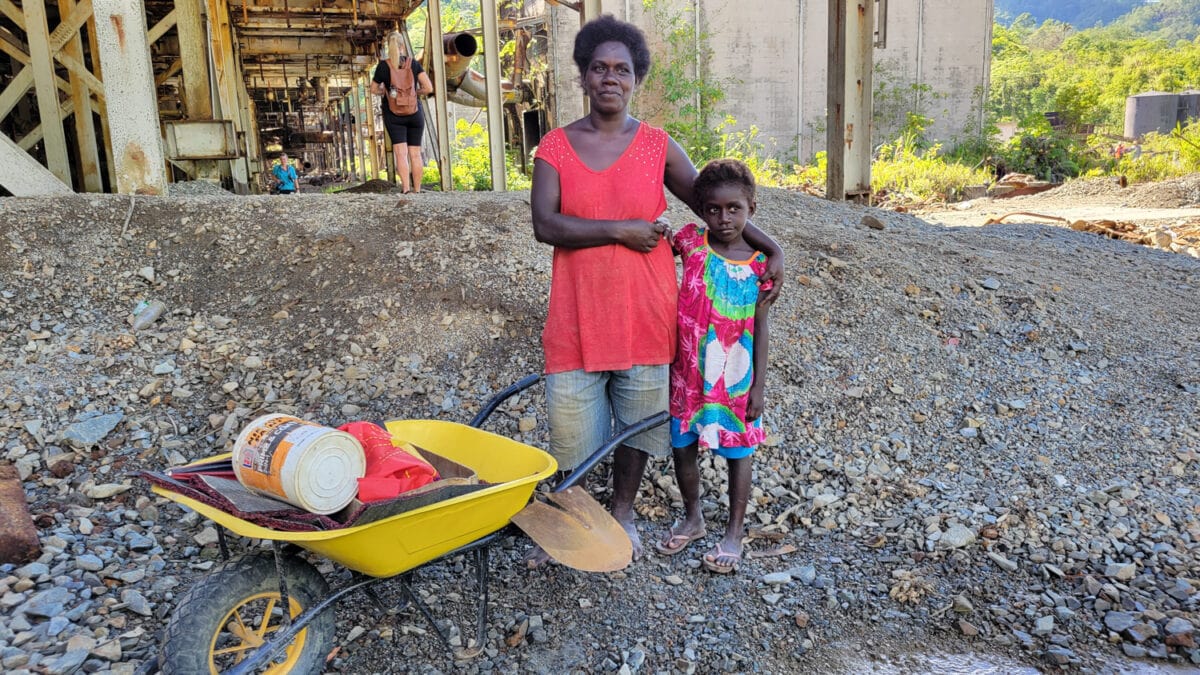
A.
pixel 607 28
pixel 722 172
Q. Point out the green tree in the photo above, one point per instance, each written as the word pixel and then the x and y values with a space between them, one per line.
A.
pixel 687 97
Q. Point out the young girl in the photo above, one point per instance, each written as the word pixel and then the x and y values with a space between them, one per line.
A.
pixel 718 374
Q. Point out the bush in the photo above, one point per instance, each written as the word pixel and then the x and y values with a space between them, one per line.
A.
pixel 1162 156
pixel 1046 154
pixel 471 165
pixel 909 166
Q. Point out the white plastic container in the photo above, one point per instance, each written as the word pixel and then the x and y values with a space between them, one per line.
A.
pixel 307 465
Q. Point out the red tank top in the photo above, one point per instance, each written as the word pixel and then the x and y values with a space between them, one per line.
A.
pixel 611 307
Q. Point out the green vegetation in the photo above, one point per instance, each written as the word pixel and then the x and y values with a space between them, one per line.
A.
pixel 1087 75
pixel 471 167
pixel 1083 75
pixel 683 92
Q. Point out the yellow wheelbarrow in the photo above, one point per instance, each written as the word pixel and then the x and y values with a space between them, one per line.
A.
pixel 233 620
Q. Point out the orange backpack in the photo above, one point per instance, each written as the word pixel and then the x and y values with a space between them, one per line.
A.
pixel 402 96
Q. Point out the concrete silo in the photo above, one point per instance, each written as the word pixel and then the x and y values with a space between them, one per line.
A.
pixel 1151 111
pixel 1189 106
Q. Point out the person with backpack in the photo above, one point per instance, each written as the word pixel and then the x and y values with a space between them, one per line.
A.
pixel 401 81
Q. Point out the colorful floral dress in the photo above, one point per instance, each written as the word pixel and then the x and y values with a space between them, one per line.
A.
pixel 714 360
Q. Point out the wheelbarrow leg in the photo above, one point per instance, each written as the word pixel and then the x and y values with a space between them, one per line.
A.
pixel 284 602
pixel 420 605
pixel 482 572
pixel 223 542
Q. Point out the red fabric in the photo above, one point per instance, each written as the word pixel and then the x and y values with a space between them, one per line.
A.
pixel 390 470
pixel 611 307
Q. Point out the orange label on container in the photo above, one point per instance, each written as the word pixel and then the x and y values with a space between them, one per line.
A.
pixel 266 451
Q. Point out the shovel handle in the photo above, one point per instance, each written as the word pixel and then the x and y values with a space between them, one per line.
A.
pixel 628 432
pixel 505 394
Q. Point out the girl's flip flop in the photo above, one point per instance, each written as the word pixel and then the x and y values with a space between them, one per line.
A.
pixel 680 541
pixel 717 553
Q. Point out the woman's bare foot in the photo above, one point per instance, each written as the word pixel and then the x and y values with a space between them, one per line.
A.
pixel 634 538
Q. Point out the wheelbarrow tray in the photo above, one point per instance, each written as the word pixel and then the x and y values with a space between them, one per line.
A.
pixel 396 544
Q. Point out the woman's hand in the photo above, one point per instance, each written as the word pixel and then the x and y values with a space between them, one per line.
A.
pixel 641 235
pixel 773 275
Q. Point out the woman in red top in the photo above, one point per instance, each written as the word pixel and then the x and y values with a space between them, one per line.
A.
pixel 610 331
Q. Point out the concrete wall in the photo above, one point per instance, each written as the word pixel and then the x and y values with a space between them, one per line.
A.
pixel 771 57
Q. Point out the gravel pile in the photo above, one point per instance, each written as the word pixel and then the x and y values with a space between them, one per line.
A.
pixel 982 440
pixel 1177 193
pixel 191 188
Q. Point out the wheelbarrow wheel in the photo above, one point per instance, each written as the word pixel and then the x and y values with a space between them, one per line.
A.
pixel 224 617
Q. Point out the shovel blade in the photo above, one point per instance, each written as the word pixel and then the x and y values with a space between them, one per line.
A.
pixel 577 532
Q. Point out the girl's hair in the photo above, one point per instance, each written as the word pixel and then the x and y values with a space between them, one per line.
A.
pixel 723 172
pixel 607 28
pixel 395 47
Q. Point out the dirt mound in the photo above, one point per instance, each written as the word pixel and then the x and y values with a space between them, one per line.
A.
pixel 374 186
pixel 939 400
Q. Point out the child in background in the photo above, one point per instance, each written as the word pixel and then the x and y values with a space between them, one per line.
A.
pixel 718 376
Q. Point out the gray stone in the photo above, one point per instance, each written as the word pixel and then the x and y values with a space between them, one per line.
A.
pixel 89 563
pixel 1140 632
pixel 89 432
pixel 1004 563
pixel 990 283
pixel 777 578
pixel 135 601
pixel 1044 625
pixel 805 574
pixel 57 625
pixel 1133 651
pixel 1121 571
pixel 1059 656
pixel 67 663
pixel 33 570
pixel 1118 621
pixel 1178 626
pixel 48 603
pixel 957 536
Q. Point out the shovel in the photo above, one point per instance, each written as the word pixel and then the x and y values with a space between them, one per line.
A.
pixel 576 531
pixel 573 528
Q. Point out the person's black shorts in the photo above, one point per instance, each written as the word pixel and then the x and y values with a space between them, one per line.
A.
pixel 407 129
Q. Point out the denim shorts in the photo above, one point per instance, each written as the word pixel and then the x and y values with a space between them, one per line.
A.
pixel 586 409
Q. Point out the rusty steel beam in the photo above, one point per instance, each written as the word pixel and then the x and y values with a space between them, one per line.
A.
pixel 85 128
pixel 399 9
pixel 300 45
pixel 193 54
pixel 130 97
pixel 441 106
pixel 37 34
pixel 7 8
pixel 69 26
pixel 848 96
pixel 495 110
pixel 164 24
pixel 835 102
pixel 24 176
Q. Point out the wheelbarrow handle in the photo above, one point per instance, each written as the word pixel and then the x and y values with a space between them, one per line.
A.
pixel 628 432
pixel 505 394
